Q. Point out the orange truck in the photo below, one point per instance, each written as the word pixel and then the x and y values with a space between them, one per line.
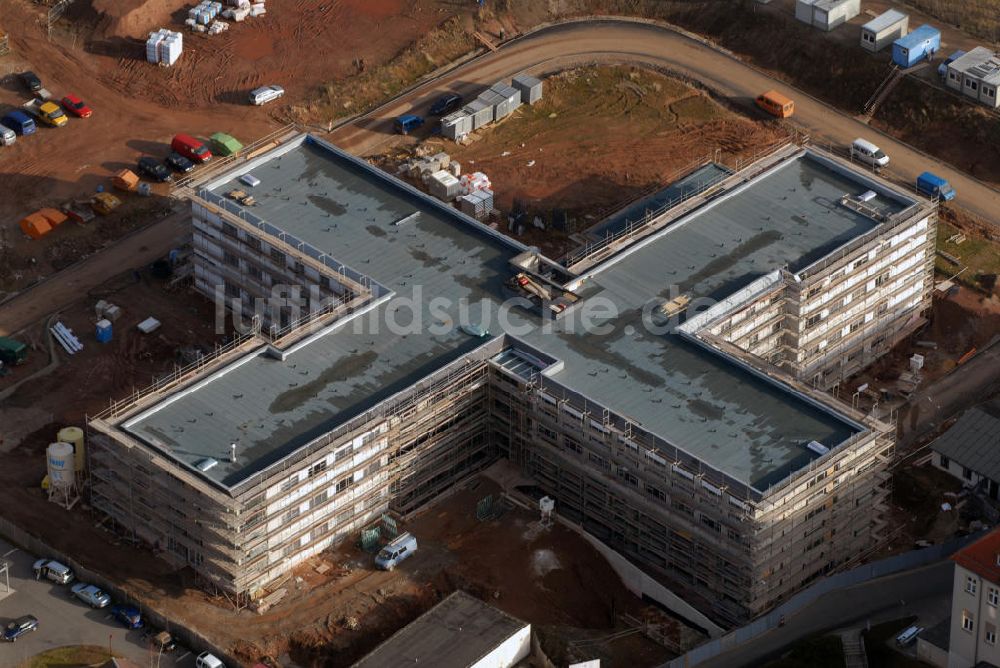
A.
pixel 776 104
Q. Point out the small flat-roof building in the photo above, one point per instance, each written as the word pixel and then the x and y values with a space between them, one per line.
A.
pixel 883 30
pixel 970 448
pixel 826 14
pixel 921 44
pixel 977 75
pixel 459 632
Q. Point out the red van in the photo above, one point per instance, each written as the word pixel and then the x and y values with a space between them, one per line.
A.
pixel 191 148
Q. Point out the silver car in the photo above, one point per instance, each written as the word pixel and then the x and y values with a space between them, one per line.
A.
pixel 265 94
pixel 90 594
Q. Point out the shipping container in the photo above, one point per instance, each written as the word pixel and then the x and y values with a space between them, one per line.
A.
pixel 826 14
pixel 883 30
pixel 921 44
pixel 529 86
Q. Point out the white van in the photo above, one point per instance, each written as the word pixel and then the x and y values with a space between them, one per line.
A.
pixel 869 153
pixel 396 551
pixel 52 570
pixel 7 136
pixel 265 94
pixel 208 660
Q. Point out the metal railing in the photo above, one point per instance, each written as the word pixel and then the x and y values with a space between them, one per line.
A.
pixel 221 164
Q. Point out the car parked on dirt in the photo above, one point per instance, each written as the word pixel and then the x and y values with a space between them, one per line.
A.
pixel 90 594
pixel 179 163
pixel 52 570
pixel 75 106
pixel 446 104
pixel 31 81
pixel 265 94
pixel 154 169
pixel 19 627
pixel 128 615
pixel 191 148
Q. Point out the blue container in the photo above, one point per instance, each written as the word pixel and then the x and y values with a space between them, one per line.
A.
pixel 103 332
pixel 921 44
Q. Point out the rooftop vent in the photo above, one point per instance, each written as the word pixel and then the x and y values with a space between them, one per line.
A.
pixel 206 464
pixel 818 448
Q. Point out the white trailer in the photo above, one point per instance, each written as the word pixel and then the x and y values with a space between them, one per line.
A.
pixel 828 14
pixel 883 30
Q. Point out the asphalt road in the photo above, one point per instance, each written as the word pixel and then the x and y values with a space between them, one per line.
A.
pixel 63 620
pixel 891 597
pixel 546 50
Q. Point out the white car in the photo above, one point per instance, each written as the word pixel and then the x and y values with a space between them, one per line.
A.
pixel 265 94
pixel 208 660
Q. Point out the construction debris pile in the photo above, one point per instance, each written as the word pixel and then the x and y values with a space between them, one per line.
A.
pixel 206 16
pixel 164 47
pixel 442 177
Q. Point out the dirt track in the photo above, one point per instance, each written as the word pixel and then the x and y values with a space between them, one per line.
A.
pixel 611 40
pixel 567 45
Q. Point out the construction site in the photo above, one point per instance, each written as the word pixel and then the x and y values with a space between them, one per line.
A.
pixel 690 456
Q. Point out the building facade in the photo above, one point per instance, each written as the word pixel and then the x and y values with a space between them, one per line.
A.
pixel 975 600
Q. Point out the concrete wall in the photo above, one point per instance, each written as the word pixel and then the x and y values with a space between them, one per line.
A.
pixel 643 585
pixel 509 652
pixel 931 654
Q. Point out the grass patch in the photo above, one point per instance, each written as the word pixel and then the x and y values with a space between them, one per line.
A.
pixel 980 255
pixel 76 656
pixel 881 655
pixel 815 652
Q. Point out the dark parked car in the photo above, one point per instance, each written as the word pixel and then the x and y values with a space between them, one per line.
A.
pixel 31 81
pixel 19 627
pixel 446 104
pixel 127 615
pixel 179 163
pixel 154 169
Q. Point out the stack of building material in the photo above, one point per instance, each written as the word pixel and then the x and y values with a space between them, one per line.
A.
pixel 444 186
pixel 241 9
pixel 474 181
pixel 164 47
pixel 507 99
pixel 457 125
pixel 204 12
pixel 529 87
pixel 217 27
pixel 422 168
pixel 481 113
pixel 477 204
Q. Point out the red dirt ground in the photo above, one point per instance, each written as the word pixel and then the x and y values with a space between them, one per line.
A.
pixel 138 107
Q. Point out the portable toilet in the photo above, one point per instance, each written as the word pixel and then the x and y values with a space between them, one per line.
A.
pixel 921 44
pixel 103 332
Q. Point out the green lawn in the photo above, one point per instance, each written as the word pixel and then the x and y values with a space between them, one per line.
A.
pixel 815 652
pixel 981 256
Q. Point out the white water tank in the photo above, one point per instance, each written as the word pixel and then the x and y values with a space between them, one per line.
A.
pixel 61 465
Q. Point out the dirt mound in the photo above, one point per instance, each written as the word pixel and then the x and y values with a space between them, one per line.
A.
pixel 136 18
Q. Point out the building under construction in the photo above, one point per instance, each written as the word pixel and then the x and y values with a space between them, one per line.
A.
pixel 665 386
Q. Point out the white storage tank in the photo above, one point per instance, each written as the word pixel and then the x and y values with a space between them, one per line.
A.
pixel 61 465
pixel 74 436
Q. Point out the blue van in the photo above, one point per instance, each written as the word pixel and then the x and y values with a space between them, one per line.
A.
pixel 933 185
pixel 407 123
pixel 396 551
pixel 19 122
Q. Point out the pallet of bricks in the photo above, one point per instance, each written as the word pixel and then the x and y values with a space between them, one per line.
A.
pixel 207 16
